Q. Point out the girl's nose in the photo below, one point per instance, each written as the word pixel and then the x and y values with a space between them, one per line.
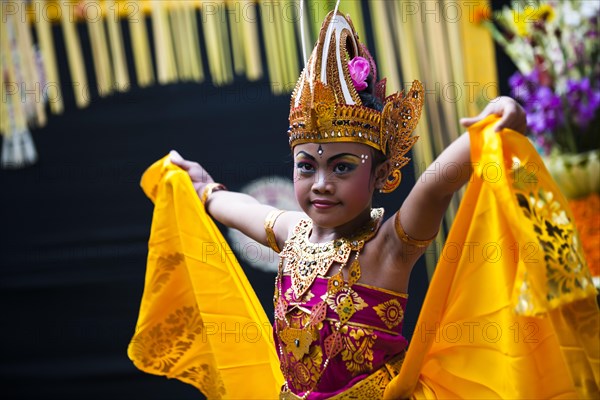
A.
pixel 323 183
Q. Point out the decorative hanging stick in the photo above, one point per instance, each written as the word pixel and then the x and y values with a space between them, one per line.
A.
pixel 31 80
pixel 239 62
pixel 278 42
pixel 271 48
pixel 18 149
pixel 4 99
pixel 191 26
pixel 249 22
pixel 388 64
pixel 217 43
pixel 178 40
pixel 225 45
pixel 74 55
pixel 100 53
pixel 139 44
pixel 121 75
pixel 15 73
pixel 52 90
pixel 165 61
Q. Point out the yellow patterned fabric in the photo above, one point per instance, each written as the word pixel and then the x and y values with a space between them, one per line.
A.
pixel 511 310
pixel 200 320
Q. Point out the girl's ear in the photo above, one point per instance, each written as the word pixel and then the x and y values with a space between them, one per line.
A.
pixel 381 173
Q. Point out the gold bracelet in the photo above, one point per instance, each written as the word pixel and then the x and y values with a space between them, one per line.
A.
pixel 407 239
pixel 269 224
pixel 209 189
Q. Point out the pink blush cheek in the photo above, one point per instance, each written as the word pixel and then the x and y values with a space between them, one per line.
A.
pixel 300 191
pixel 362 186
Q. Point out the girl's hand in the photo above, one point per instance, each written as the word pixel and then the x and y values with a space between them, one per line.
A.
pixel 511 113
pixel 199 176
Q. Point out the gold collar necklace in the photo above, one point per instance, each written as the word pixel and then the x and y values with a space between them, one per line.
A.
pixel 306 260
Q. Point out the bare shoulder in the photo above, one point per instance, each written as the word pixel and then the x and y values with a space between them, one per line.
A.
pixel 386 263
pixel 394 253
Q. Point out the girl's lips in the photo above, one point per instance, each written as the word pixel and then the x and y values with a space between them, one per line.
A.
pixel 323 204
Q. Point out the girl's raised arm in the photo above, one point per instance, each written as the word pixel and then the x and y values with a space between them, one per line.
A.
pixel 238 210
pixel 423 210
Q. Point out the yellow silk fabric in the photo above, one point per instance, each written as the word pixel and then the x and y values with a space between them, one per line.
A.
pixel 511 310
pixel 200 320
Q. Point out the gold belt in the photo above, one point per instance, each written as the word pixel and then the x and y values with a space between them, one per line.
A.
pixel 371 387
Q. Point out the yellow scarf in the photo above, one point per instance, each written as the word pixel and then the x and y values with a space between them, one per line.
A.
pixel 200 321
pixel 504 316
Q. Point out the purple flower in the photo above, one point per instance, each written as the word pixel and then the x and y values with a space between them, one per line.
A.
pixel 544 110
pixel 359 72
pixel 584 101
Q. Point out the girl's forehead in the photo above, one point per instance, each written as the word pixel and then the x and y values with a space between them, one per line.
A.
pixel 332 148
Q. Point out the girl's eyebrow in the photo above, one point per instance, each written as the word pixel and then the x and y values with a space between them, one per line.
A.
pixel 305 154
pixel 333 158
pixel 330 159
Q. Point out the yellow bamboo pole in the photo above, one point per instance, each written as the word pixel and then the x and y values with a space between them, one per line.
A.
pixel 4 96
pixel 383 43
pixel 34 106
pixel 165 62
pixel 479 59
pixel 179 40
pixel 197 72
pixel 46 44
pixel 225 46
pixel 233 13
pixel 140 46
pixel 271 47
pixel 74 56
pixel 408 38
pixel 249 22
pixel 121 75
pixel 100 53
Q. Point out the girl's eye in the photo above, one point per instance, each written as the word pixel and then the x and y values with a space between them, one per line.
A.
pixel 304 167
pixel 343 168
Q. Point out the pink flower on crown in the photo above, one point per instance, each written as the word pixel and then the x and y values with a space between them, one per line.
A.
pixel 359 71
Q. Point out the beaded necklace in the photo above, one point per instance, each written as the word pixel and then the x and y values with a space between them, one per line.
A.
pixel 306 261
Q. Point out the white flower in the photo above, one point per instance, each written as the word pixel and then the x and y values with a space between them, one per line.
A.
pixel 590 8
pixel 571 16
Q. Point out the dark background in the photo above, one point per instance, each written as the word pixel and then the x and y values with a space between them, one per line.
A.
pixel 74 227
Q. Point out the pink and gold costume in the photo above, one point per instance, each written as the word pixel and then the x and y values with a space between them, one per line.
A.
pixel 372 337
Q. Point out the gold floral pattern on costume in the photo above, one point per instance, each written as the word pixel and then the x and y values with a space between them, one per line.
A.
pixel 566 269
pixel 166 342
pixel 358 349
pixel 204 377
pixel 390 312
pixel 165 265
pixel 289 296
pixel 303 374
pixel 335 300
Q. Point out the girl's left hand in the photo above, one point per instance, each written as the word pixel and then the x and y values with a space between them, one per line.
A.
pixel 512 115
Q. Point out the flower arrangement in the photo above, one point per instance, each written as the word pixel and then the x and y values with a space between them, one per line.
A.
pixel 556 48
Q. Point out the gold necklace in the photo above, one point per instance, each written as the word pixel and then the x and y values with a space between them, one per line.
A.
pixel 305 261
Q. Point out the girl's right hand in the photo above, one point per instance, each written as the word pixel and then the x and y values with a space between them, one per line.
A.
pixel 200 177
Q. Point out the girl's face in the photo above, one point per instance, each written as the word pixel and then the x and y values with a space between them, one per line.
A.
pixel 334 182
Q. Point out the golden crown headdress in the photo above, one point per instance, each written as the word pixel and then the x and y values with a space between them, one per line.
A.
pixel 326 106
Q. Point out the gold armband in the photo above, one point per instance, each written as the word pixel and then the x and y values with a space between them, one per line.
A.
pixel 209 189
pixel 269 224
pixel 407 239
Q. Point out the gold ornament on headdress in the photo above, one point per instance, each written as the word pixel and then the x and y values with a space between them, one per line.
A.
pixel 326 107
